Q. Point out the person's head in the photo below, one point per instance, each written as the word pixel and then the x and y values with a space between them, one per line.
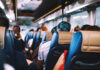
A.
pixel 43 28
pixel 64 26
pixel 93 28
pixel 77 28
pixel 16 29
pixel 37 29
pixel 4 22
pixel 31 30
pixel 84 27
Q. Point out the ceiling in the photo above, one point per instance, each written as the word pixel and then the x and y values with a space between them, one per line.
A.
pixel 38 8
pixel 34 8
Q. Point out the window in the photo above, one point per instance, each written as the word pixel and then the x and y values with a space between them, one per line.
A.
pixel 79 19
pixel 98 16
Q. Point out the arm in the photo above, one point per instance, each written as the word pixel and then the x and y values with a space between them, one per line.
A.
pixel 59 62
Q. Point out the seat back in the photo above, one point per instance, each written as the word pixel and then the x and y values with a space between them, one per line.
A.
pixel 10 53
pixel 34 39
pixel 56 50
pixel 42 33
pixel 84 51
pixel 65 37
pixel 54 40
pixel 49 36
pixel 28 37
pixel 37 40
pixel 2 59
pixel 44 37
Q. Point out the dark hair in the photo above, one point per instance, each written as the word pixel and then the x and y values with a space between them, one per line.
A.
pixel 93 28
pixel 37 29
pixel 84 27
pixel 18 28
pixel 31 30
pixel 77 28
pixel 4 22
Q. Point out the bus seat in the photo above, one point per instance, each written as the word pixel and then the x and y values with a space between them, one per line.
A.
pixel 9 51
pixel 42 33
pixel 54 40
pixel 49 36
pixel 57 50
pixel 62 38
pixel 37 40
pixel 28 37
pixel 2 59
pixel 65 37
pixel 44 37
pixel 84 51
pixel 34 38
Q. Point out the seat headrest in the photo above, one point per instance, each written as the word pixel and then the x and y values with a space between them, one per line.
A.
pixel 91 41
pixel 2 36
pixel 49 36
pixel 65 37
pixel 42 33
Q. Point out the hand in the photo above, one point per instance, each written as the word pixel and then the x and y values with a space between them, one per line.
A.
pixel 29 62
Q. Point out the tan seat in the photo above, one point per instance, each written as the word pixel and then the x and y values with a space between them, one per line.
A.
pixel 49 36
pixel 91 41
pixel 42 33
pixel 65 37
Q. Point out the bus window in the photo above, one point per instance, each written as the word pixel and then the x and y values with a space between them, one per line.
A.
pixel 79 19
pixel 98 16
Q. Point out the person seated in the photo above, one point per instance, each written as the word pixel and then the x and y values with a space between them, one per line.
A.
pixel 19 40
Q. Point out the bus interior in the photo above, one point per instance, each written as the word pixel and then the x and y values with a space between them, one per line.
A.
pixel 49 34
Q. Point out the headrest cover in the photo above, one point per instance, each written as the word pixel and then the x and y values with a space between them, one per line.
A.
pixel 2 34
pixel 49 36
pixel 65 37
pixel 42 33
pixel 91 41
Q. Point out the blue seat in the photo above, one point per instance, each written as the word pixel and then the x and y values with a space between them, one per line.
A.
pixel 12 56
pixel 34 38
pixel 2 59
pixel 44 37
pixel 58 44
pixel 28 37
pixel 37 41
pixel 79 60
pixel 54 40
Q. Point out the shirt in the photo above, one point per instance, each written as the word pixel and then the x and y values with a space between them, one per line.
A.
pixel 43 52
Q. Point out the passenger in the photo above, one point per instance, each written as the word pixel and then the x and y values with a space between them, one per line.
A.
pixel 64 26
pixel 93 28
pixel 77 28
pixel 84 27
pixel 20 47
